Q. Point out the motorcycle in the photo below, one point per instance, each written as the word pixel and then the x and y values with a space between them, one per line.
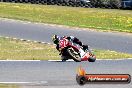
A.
pixel 70 50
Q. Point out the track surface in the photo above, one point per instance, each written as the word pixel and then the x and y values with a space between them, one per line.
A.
pixel 45 74
pixel 43 32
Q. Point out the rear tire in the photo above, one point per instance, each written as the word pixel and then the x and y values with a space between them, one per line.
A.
pixel 75 57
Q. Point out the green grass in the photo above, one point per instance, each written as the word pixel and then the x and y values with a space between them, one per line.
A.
pixel 8 86
pixel 94 18
pixel 21 50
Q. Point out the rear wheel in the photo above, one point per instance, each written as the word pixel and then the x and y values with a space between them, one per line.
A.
pixel 75 55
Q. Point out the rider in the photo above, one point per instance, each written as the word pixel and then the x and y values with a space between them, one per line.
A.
pixel 56 39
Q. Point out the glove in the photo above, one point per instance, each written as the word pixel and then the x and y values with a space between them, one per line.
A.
pixel 60 49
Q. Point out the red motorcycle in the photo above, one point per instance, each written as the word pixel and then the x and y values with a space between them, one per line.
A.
pixel 70 50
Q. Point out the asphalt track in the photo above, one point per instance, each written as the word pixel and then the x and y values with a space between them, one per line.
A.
pixel 121 42
pixel 45 74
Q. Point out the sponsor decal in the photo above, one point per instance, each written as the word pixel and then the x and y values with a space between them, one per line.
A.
pixel 82 78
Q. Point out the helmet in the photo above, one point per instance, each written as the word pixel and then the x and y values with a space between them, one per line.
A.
pixel 55 39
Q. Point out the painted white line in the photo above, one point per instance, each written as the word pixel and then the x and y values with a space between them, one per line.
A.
pixel 70 60
pixel 15 38
pixel 35 41
pixel 107 59
pixel 43 42
pixel 129 58
pixel 28 22
pixel 7 37
pixel 19 60
pixel 49 43
pixel 15 82
pixel 115 59
pixel 28 40
pixel 21 39
pixel 39 82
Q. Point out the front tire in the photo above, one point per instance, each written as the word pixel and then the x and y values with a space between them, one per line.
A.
pixel 75 56
pixel 91 59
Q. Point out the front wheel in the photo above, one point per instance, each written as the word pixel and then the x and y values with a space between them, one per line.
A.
pixel 75 55
pixel 91 59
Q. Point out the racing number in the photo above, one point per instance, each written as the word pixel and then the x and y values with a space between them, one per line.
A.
pixel 63 42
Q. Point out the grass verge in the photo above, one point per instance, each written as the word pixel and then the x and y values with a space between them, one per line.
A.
pixel 8 86
pixel 22 50
pixel 100 19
